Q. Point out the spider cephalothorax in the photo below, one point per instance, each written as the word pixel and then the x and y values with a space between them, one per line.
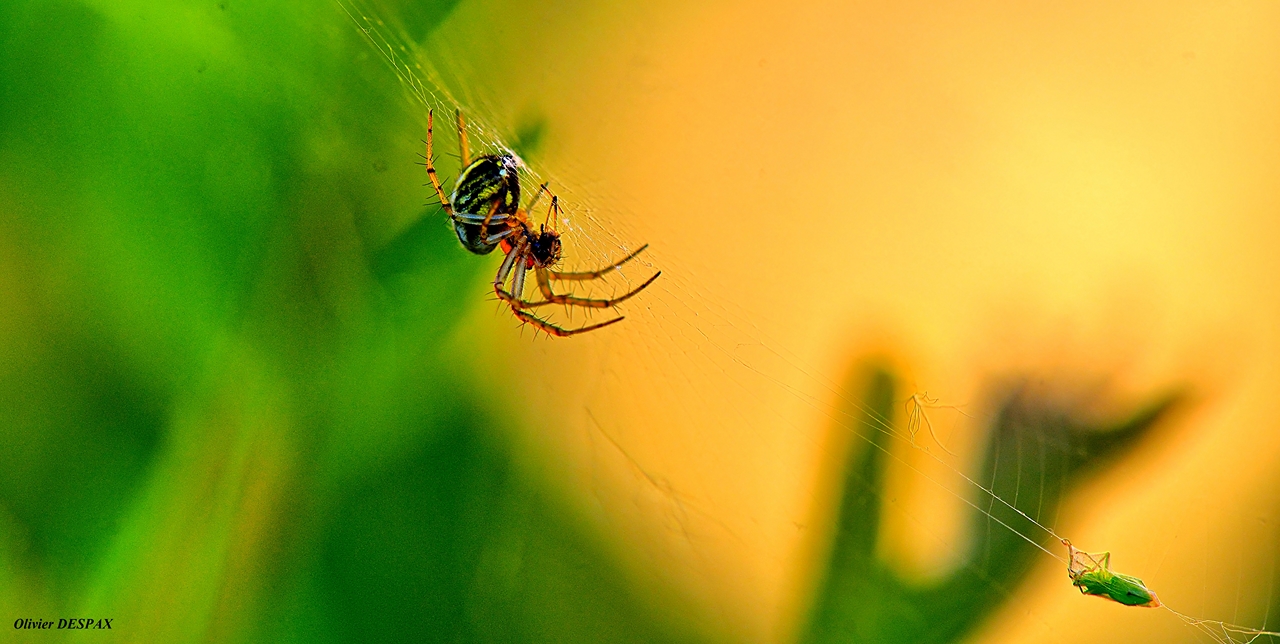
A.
pixel 486 213
pixel 544 246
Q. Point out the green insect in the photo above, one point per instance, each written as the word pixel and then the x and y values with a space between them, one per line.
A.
pixel 1091 573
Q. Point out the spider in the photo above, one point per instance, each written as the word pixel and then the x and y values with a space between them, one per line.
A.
pixel 486 213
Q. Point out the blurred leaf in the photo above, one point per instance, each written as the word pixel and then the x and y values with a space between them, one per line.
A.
pixel 529 135
pixel 452 545
pixel 1039 452
pixel 231 407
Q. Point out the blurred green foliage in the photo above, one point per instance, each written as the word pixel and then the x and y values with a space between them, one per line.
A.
pixel 235 401
pixel 1039 450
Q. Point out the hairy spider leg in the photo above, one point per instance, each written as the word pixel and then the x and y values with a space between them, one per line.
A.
pixel 544 284
pixel 464 150
pixel 517 282
pixel 554 207
pixel 464 154
pixel 551 297
pixel 431 167
pixel 561 331
pixel 476 220
pixel 517 256
pixel 484 227
pixel 590 275
pixel 517 252
pixel 497 237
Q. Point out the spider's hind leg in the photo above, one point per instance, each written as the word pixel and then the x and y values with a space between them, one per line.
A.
pixel 559 331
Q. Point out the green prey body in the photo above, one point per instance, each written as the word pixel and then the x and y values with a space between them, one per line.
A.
pixel 1124 589
pixel 1091 573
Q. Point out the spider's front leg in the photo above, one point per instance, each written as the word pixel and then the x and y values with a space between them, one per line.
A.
pixel 590 275
pixel 544 285
pixel 516 254
pixel 557 330
pixel 431 166
pixel 517 260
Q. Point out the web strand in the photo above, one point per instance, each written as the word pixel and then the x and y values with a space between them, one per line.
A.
pixel 401 54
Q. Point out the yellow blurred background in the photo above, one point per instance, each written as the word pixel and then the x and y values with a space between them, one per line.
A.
pixel 1082 198
pixel 252 389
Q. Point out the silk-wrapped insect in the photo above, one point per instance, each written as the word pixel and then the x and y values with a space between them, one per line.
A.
pixel 1092 574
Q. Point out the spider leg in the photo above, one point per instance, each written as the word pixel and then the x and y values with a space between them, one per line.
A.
pixel 517 282
pixel 516 253
pixel 538 195
pixel 590 275
pixel 483 221
pixel 484 227
pixel 474 219
pixel 554 207
pixel 497 237
pixel 516 260
pixel 557 330
pixel 464 150
pixel 544 284
pixel 431 168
